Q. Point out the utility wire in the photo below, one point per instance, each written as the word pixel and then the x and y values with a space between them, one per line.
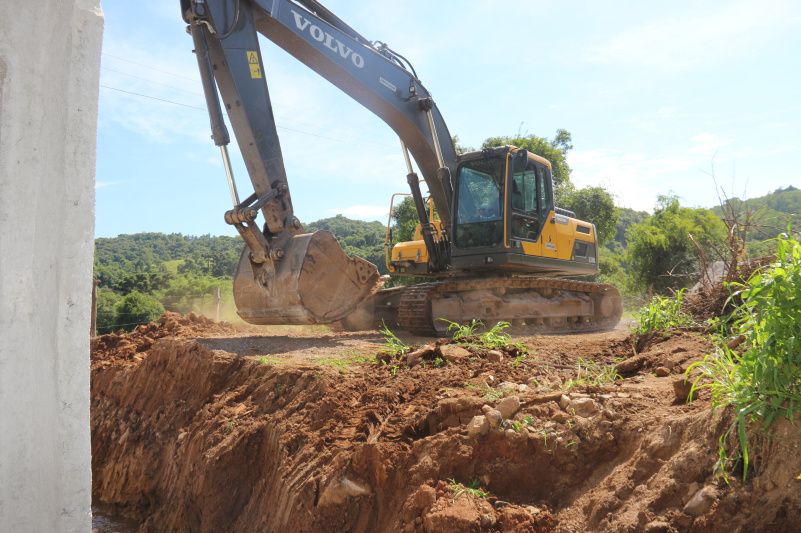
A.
pixel 118 58
pixel 151 97
pixel 132 93
pixel 107 69
pixel 191 106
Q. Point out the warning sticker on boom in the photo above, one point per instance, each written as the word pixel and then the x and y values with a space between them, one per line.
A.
pixel 253 63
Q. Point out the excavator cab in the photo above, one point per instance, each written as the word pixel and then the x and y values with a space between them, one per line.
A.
pixel 505 220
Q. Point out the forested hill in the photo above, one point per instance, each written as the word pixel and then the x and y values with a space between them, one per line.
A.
pixel 771 213
pixel 147 261
pixel 143 274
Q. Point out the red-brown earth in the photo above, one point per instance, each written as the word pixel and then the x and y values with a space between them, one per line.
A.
pixel 200 426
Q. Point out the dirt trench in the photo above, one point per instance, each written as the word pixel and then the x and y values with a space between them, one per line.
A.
pixel 305 433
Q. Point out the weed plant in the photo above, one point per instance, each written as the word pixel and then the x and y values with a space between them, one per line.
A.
pixel 763 382
pixel 663 313
pixel 591 374
pixel 473 488
pixel 393 346
pixel 494 338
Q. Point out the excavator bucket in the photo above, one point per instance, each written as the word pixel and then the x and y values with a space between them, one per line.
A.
pixel 315 282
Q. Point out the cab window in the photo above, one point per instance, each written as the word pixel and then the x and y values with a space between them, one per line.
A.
pixel 529 198
pixel 479 210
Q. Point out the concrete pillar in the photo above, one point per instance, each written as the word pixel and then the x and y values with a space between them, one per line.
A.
pixel 49 69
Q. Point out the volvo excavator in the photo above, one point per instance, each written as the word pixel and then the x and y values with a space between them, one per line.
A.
pixel 490 242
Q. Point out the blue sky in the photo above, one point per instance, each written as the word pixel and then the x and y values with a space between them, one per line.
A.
pixel 657 95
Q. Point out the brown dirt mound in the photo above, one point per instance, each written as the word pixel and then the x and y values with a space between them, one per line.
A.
pixel 186 438
pixel 118 347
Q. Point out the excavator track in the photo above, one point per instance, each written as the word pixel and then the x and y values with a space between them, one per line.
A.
pixel 530 304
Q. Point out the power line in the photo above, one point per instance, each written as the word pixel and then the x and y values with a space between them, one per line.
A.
pixel 151 81
pixel 118 58
pixel 191 106
pixel 132 93
pixel 151 97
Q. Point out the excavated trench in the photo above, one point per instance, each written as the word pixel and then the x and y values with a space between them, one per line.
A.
pixel 189 438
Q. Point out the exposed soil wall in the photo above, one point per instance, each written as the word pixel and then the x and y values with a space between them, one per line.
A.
pixel 187 438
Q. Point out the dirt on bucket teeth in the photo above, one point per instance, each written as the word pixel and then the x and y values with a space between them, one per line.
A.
pixel 199 426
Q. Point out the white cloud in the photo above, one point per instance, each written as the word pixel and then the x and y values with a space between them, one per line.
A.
pixel 706 144
pixel 698 36
pixel 634 179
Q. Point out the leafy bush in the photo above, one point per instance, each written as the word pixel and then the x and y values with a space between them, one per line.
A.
pixel 660 254
pixel 136 308
pixel 107 302
pixel 764 382
pixel 663 313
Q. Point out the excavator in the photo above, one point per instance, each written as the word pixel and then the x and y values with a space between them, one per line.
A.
pixel 489 242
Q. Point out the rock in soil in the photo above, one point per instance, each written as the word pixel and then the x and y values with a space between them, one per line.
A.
pixel 701 502
pixel 662 372
pixel 495 356
pixel 453 353
pixel 585 407
pixel 478 426
pixel 494 418
pixel 415 357
pixel 508 406
pixel 681 389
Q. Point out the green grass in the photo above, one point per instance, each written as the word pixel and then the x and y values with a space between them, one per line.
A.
pixel 343 362
pixel 393 346
pixel 491 394
pixel 334 362
pixel 460 331
pixel 519 425
pixel 473 489
pixel 591 374
pixel 271 360
pixel 662 313
pixel 763 382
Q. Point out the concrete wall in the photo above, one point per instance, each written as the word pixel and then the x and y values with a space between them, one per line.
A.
pixel 49 67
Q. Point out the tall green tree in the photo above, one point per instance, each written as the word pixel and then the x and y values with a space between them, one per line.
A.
pixel 404 217
pixel 554 150
pixel 660 253
pixel 596 205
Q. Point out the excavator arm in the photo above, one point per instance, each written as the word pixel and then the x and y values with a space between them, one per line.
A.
pixel 287 276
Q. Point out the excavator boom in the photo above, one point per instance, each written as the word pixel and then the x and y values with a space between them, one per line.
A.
pixel 286 276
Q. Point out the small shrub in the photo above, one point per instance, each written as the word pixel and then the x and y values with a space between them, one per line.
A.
pixel 663 313
pixel 137 308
